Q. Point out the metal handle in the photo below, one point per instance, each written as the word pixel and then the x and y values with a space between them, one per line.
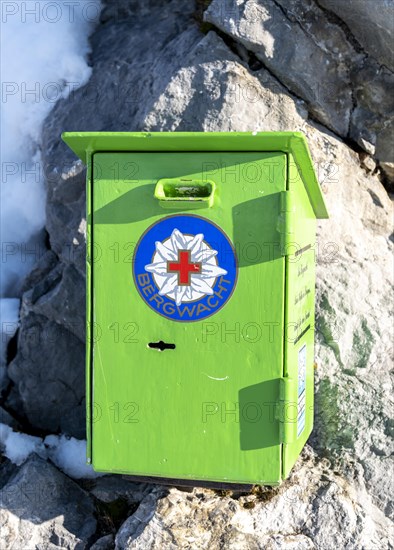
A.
pixel 182 193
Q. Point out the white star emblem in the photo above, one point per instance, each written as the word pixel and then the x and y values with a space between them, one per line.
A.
pixel 184 267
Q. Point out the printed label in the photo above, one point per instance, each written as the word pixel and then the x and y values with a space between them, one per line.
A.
pixel 301 389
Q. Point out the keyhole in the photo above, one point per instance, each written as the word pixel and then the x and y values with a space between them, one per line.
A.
pixel 161 346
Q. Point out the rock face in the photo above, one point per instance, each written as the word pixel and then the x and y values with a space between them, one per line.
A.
pixel 371 23
pixel 42 508
pixel 304 513
pixel 260 66
pixel 345 87
pixel 104 543
pixel 283 46
pixel 354 402
pixel 51 387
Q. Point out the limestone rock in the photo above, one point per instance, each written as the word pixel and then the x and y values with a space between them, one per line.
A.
pixel 122 9
pixel 284 46
pixel 316 58
pixel 110 488
pixel 225 96
pixel 44 265
pixel 372 119
pixel 7 470
pixel 104 543
pixel 371 22
pixel 354 282
pixel 58 296
pixel 51 388
pixel 42 508
pixel 7 419
pixel 4 380
pixel 313 509
pixel 66 210
pixel 388 168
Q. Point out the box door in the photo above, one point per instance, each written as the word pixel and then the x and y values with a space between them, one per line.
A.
pixel 188 309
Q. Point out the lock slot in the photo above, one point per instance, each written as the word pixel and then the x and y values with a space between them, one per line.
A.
pixel 160 346
pixel 183 193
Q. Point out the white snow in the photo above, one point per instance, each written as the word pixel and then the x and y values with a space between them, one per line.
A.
pixel 43 58
pixel 44 47
pixel 18 446
pixel 67 453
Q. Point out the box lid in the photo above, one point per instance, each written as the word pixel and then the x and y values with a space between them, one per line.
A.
pixel 85 144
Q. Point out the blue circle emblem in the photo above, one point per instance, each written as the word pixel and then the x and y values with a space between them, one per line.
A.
pixel 185 267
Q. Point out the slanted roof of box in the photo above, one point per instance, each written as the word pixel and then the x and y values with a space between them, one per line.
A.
pixel 84 144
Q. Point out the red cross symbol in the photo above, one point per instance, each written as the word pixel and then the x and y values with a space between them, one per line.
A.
pixel 184 267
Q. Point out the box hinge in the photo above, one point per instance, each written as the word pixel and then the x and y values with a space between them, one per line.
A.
pixel 287 410
pixel 285 224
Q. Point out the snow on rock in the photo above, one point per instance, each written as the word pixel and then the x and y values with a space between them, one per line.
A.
pixel 68 453
pixel 43 59
pixel 18 446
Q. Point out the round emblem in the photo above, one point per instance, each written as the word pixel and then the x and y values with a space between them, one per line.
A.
pixel 185 267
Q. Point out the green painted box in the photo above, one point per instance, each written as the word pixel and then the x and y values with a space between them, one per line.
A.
pixel 200 303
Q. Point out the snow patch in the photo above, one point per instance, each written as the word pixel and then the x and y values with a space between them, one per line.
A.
pixel 43 59
pixel 18 446
pixel 67 453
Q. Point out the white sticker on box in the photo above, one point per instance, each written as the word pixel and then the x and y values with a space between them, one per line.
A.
pixel 301 389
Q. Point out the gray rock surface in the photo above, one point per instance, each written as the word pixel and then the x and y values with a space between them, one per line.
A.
pixel 7 470
pixel 354 400
pixel 318 59
pixel 303 513
pixel 122 9
pixel 58 297
pixel 284 46
pixel 372 24
pixel 4 380
pixel 7 419
pixel 110 488
pixel 65 214
pixel 42 508
pixel 104 543
pixel 50 387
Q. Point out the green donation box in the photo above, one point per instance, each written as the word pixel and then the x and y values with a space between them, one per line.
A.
pixel 200 303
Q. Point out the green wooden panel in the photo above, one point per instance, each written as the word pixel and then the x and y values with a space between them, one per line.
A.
pixel 299 319
pixel 207 409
